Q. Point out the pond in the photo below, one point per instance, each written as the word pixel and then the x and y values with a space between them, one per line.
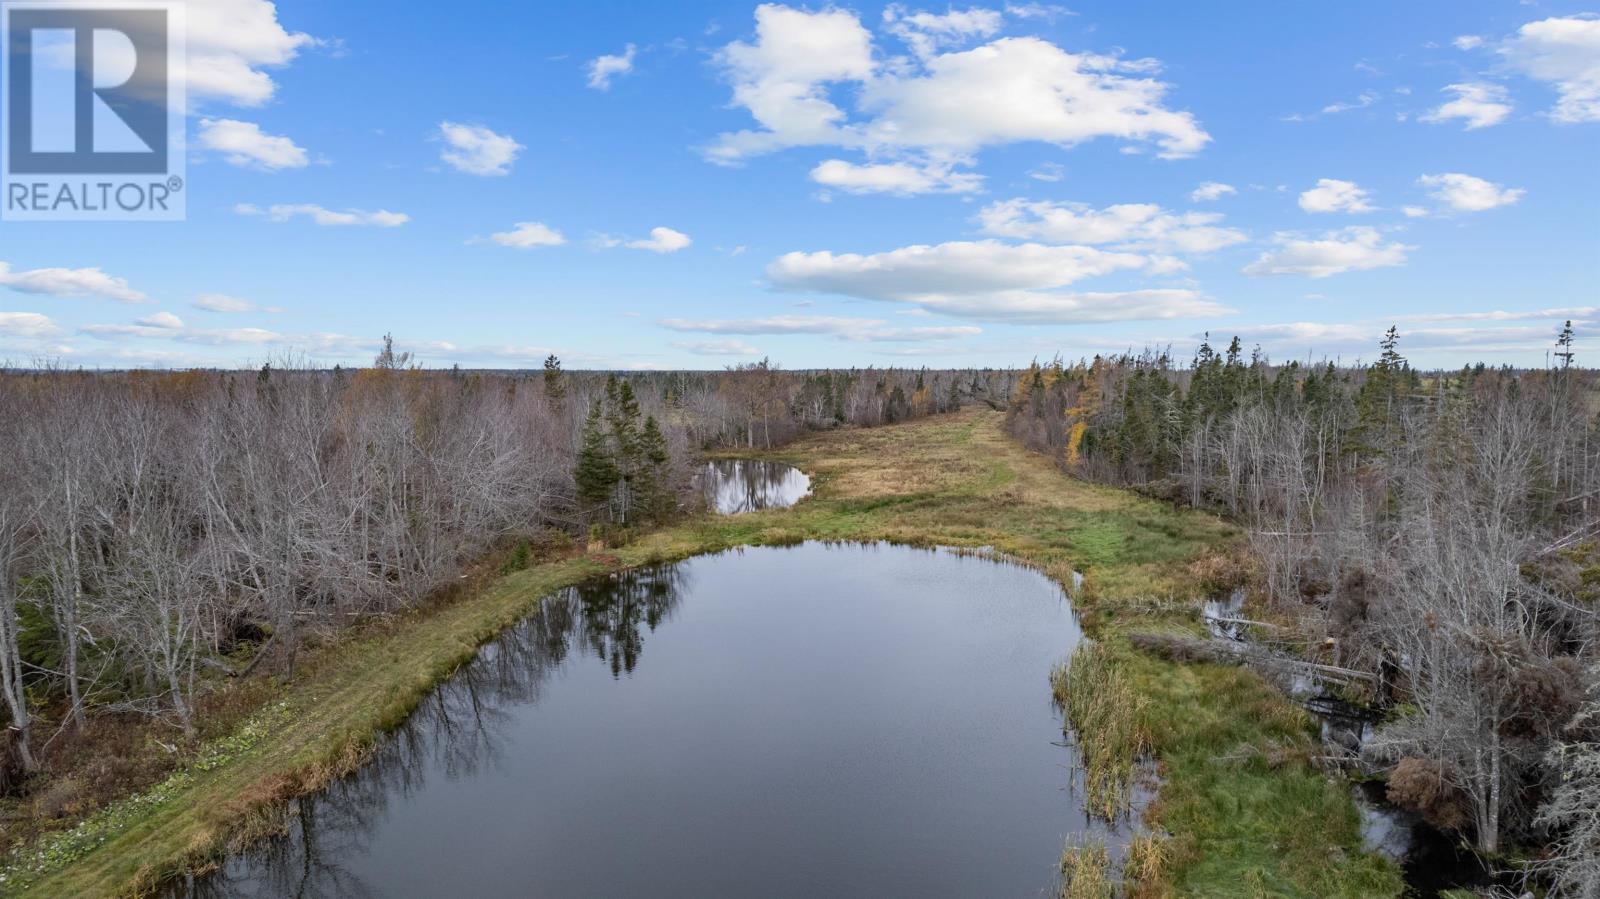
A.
pixel 815 720
pixel 736 486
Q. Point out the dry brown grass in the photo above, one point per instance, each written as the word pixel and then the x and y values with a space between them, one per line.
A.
pixel 1144 869
pixel 1085 872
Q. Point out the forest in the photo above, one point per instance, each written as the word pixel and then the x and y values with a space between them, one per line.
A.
pixel 1436 531
pixel 160 531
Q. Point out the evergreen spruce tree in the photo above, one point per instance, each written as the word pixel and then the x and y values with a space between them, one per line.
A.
pixel 655 499
pixel 621 419
pixel 596 473
pixel 1388 382
pixel 555 382
pixel 1564 345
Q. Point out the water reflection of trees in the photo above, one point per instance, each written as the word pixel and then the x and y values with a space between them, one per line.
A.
pixel 733 486
pixel 456 730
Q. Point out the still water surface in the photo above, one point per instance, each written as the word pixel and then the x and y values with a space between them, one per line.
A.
pixel 736 486
pixel 815 720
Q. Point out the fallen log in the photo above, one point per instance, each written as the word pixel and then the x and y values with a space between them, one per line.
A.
pixel 1182 648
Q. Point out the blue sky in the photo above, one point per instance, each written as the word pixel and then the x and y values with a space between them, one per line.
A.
pixel 668 186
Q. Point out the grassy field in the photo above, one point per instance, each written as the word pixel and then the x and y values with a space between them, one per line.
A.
pixel 1245 811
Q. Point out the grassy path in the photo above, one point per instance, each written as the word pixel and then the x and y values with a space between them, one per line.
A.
pixel 1248 813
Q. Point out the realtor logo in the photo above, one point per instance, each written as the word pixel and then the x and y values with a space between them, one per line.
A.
pixel 93 111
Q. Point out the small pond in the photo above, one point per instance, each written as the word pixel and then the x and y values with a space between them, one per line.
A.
pixel 815 720
pixel 735 486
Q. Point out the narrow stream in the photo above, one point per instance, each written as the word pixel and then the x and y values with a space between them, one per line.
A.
pixel 817 720
pixel 1433 862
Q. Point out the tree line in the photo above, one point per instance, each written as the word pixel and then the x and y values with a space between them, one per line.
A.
pixel 1439 530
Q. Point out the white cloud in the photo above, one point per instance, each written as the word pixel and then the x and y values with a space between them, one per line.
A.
pixel 527 235
pixel 898 178
pixel 1480 104
pixel 1564 52
pixel 230 45
pixel 988 280
pixel 70 282
pixel 604 68
pixel 1351 249
pixel 662 240
pixel 217 302
pixel 942 107
pixel 283 212
pixel 781 78
pixel 1025 89
pixel 1025 306
pixel 476 150
pixel 964 267
pixel 871 330
pixel 1465 193
pixel 164 320
pixel 717 347
pixel 1046 11
pixel 1367 98
pixel 1574 313
pixel 1333 195
pixel 1414 212
pixel 1212 190
pixel 245 144
pixel 27 324
pixel 926 33
pixel 1126 225
pixel 1049 171
pixel 1467 42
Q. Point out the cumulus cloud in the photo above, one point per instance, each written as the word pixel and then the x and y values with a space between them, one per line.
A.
pixel 1465 193
pixel 527 235
pixel 283 212
pixel 1333 195
pixel 661 240
pixel 245 144
pixel 27 324
pixel 604 68
pixel 476 150
pixel 1480 104
pixel 871 330
pixel 1565 53
pixel 1347 250
pixel 988 280
pixel 232 44
pixel 898 178
pixel 1212 190
pixel 1138 226
pixel 940 106
pixel 219 302
pixel 70 282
